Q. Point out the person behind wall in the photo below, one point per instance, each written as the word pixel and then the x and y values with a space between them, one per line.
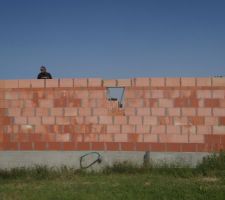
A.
pixel 44 74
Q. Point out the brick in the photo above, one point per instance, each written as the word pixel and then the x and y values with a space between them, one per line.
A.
pixel 113 129
pixel 34 120
pixel 174 111
pixel 90 137
pixel 129 111
pixel 204 94
pixel 59 111
pixel 133 93
pixel 11 83
pixel 135 120
pixel 213 139
pixel 203 148
pixel 66 82
pixel 171 93
pixel 174 138
pixel 10 146
pixel 91 119
pixel 128 146
pixel 109 83
pixel 188 93
pixel 84 111
pixel 165 103
pixel 222 120
pixel 218 81
pixel 218 94
pixel 100 111
pixel 29 112
pixel 38 83
pixel 62 120
pixel 143 111
pixel 188 147
pixel 212 103
pixel 152 103
pixel 219 112
pixel 98 146
pixel 52 83
pixel 94 82
pixel 150 138
pixel 26 146
pixel 142 146
pixel 20 120
pixel 89 103
pixel 165 120
pixel 190 82
pixel 42 112
pixel 120 120
pixel 40 146
pixel 24 84
pixel 158 129
pixel 81 94
pixel 46 103
pixel 157 94
pixel 69 146
pixel 112 146
pixel 54 146
pixel 140 129
pixel 128 129
pixel 14 112
pixel 204 112
pixel 207 82
pixel 124 83
pixel 173 147
pixel 196 120
pixel 180 121
pixel 158 147
pixel 188 111
pixel 105 120
pixel 48 120
pixel 173 82
pixel 105 137
pixel 2 84
pixel 80 82
pixel 158 111
pixel 173 129
pixel 150 120
pixel 196 139
pixel 211 121
pixel 97 94
pixel 121 137
pixel 157 82
pixel 219 130
pixel 134 103
pixel 222 103
pixel 142 82
pixel 134 137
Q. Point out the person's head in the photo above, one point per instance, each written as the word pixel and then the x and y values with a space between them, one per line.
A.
pixel 43 69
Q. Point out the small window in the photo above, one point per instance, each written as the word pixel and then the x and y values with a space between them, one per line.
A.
pixel 116 94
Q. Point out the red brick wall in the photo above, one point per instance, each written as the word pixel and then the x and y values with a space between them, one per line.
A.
pixel 159 114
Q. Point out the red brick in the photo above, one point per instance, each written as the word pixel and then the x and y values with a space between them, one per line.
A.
pixel 134 103
pixel 165 120
pixel 42 112
pixel 120 120
pixel 11 83
pixel 129 111
pixel 105 120
pixel 204 94
pixel 106 137
pixel 142 146
pixel 173 82
pixel 219 130
pixel 188 111
pixel 80 82
pixel 157 94
pixel 152 103
pixel 212 139
pixel 48 120
pixel 112 146
pixel 165 103
pixel 175 138
pixel 218 81
pixel 20 120
pixel 69 146
pixel 11 146
pixel 95 82
pixel 62 120
pixel 109 83
pixel 142 129
pixel 55 146
pixel 196 139
pixel 135 120
pixel 121 137
pixel 66 82
pixel 150 138
pixel 158 129
pixel 174 111
pixel 158 111
pixel 188 82
pixel 196 120
pixel 39 83
pixel 218 94
pixel 207 82
pixel 173 147
pixel 142 82
pixel 124 82
pixel 190 93
pixel 157 82
pixel 46 103
pixel 134 137
pixel 113 129
pixel 211 121
pixel 203 148
pixel 97 94
pixel 84 111
pixel 150 120
pixel 128 146
pixel 90 137
pixel 98 146
pixel 204 112
pixel 81 94
pixel 181 102
pixel 219 112
pixel 52 83
pixel 212 102
pixel 26 146
pixel 189 147
pixel 14 112
pixel 158 147
pixel 171 93
pixel 100 111
pixel 173 129
pixel 222 120
pixel 204 129
pixel 24 83
pixel 91 119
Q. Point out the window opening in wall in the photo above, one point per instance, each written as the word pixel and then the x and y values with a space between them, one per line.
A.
pixel 116 94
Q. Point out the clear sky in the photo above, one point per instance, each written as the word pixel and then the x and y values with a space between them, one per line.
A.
pixel 112 38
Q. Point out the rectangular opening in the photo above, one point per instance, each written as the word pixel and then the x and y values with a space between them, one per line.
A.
pixel 116 94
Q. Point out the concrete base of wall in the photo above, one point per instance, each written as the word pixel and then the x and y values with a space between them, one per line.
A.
pixel 12 159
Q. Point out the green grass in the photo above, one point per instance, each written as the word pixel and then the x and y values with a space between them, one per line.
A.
pixel 121 181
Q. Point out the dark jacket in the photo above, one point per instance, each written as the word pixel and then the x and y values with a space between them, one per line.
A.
pixel 44 75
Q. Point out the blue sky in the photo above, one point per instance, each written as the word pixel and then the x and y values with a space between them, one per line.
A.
pixel 112 38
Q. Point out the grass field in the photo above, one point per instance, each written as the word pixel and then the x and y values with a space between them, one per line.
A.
pixel 122 181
